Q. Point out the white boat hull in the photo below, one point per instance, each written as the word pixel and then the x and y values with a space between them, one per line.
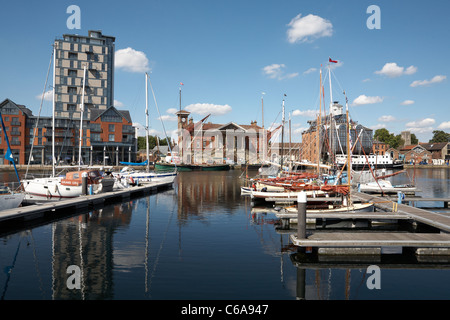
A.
pixel 51 188
pixel 11 200
pixel 385 187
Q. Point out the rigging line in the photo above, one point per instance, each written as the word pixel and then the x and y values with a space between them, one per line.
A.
pixel 155 264
pixel 39 114
pixel 10 269
pixel 162 122
pixel 342 90
pixel 36 263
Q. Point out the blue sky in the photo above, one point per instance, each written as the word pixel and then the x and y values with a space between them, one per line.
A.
pixel 227 53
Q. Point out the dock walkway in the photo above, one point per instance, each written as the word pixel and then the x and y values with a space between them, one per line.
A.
pixel 426 243
pixel 84 201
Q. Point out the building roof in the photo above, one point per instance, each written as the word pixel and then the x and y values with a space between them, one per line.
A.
pixel 96 113
pixel 21 107
pixel 434 146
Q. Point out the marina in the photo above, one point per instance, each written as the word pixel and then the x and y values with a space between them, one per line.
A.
pixel 199 239
pixel 222 167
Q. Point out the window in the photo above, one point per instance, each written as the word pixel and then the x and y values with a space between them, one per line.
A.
pixel 111 138
pixel 73 55
pixel 72 90
pixel 95 137
pixel 71 107
pixel 72 73
pixel 112 128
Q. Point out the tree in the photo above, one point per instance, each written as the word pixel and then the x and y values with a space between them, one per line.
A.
pixel 440 136
pixel 385 136
pixel 414 139
pixel 151 142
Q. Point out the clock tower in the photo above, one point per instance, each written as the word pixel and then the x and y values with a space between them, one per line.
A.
pixel 182 123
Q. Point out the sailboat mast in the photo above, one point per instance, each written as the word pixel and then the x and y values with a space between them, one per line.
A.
pixel 318 125
pixel 262 107
pixel 349 160
pixel 53 117
pixel 81 118
pixel 329 79
pixel 146 121
pixel 282 136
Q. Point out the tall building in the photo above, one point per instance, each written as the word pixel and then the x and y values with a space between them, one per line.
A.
pixel 333 137
pixel 94 52
pixel 108 135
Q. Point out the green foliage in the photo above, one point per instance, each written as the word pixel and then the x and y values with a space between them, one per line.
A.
pixel 414 139
pixel 440 136
pixel 394 141
pixel 151 142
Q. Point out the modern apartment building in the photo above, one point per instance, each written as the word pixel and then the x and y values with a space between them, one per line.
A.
pixel 108 135
pixel 74 53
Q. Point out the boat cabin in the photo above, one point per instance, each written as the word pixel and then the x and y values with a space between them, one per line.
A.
pixel 74 178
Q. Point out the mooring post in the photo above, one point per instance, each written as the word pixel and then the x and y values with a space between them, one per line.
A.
pixel 84 177
pixel 301 215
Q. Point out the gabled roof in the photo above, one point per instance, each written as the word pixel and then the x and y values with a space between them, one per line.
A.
pixel 434 146
pixel 231 124
pixel 96 113
pixel 21 107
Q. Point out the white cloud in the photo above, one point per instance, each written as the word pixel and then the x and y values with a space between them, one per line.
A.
pixel 407 102
pixel 275 71
pixel 131 60
pixel 48 96
pixel 300 130
pixel 366 80
pixel 435 79
pixel 141 130
pixel 118 104
pixel 310 70
pixel 386 119
pixel 208 108
pixel 172 110
pixel 167 117
pixel 378 126
pixel 306 113
pixel 444 125
pixel 392 70
pixel 421 123
pixel 421 130
pixel 308 28
pixel 363 99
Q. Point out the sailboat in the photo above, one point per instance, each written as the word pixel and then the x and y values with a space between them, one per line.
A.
pixel 8 198
pixel 133 176
pixel 69 185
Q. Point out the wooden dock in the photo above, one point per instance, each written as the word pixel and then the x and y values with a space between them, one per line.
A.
pixel 84 201
pixel 437 243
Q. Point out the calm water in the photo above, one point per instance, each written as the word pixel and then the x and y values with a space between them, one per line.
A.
pixel 198 240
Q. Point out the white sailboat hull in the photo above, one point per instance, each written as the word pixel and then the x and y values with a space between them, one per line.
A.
pixel 11 200
pixel 385 187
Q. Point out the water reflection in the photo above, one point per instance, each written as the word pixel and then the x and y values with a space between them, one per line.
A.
pixel 199 240
pixel 87 241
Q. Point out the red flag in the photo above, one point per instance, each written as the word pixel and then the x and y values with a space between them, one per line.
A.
pixel 334 61
pixel 182 83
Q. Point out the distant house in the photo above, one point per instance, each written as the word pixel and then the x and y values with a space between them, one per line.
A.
pixel 290 150
pixel 379 148
pixel 439 151
pixel 415 154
